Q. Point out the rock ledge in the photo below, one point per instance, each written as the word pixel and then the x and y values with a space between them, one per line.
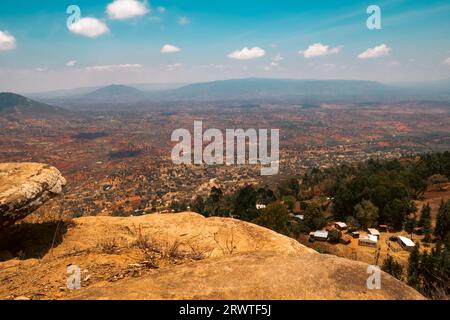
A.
pixel 24 187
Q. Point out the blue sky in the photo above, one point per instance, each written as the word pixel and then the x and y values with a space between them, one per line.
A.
pixel 284 39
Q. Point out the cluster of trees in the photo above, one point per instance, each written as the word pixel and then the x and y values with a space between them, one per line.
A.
pixel 392 267
pixel 242 205
pixel 429 273
pixel 378 192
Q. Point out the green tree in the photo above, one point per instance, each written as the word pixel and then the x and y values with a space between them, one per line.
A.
pixel 391 266
pixel 289 202
pixel 313 216
pixel 442 229
pixel 425 213
pixel 427 230
pixel 414 269
pixel 334 235
pixel 410 225
pixel 352 223
pixel 274 217
pixel 265 196
pixel 213 203
pixel 245 203
pixel 198 205
pixel 396 211
pixel 366 213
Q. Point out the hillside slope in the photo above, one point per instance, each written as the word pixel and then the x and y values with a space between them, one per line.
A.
pixel 14 104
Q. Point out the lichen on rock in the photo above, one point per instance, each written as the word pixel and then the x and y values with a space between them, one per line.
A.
pixel 24 187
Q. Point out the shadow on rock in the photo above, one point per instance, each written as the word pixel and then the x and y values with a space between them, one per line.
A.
pixel 28 240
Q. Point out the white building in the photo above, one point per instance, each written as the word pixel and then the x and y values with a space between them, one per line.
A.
pixel 406 243
pixel 321 235
pixel 368 241
pixel 374 232
pixel 340 225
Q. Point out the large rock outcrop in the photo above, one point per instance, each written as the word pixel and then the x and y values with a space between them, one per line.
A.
pixel 24 187
pixel 260 275
pixel 188 256
pixel 241 261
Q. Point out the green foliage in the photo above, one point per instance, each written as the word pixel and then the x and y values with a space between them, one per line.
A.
pixel 274 217
pixel 352 223
pixel 392 267
pixel 245 203
pixel 410 225
pixel 429 273
pixel 442 229
pixel 397 211
pixel 434 163
pixel 289 202
pixel 366 213
pixel 414 268
pixel 265 196
pixel 425 214
pixel 289 187
pixel 198 205
pixel 334 235
pixel 425 223
pixel 313 216
pixel 214 205
pixel 389 185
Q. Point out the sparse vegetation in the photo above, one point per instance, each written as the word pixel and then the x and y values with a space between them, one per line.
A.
pixel 392 267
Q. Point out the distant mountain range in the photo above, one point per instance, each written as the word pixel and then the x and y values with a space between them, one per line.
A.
pixel 14 104
pixel 115 93
pixel 259 90
pixel 280 90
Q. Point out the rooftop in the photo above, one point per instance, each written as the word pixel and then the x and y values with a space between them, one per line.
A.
pixel 406 241
pixel 321 234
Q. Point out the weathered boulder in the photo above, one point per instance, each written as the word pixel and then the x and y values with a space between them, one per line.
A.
pixel 24 187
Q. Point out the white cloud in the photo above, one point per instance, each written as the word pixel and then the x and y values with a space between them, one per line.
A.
pixel 378 51
pixel 318 49
pixel 169 48
pixel 276 60
pixel 126 9
pixel 89 27
pixel 447 61
pixel 7 41
pixel 71 63
pixel 40 69
pixel 174 67
pixel 183 21
pixel 113 67
pixel 161 9
pixel 247 54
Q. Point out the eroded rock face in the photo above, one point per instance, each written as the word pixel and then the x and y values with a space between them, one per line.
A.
pixel 244 261
pixel 24 187
pixel 260 275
